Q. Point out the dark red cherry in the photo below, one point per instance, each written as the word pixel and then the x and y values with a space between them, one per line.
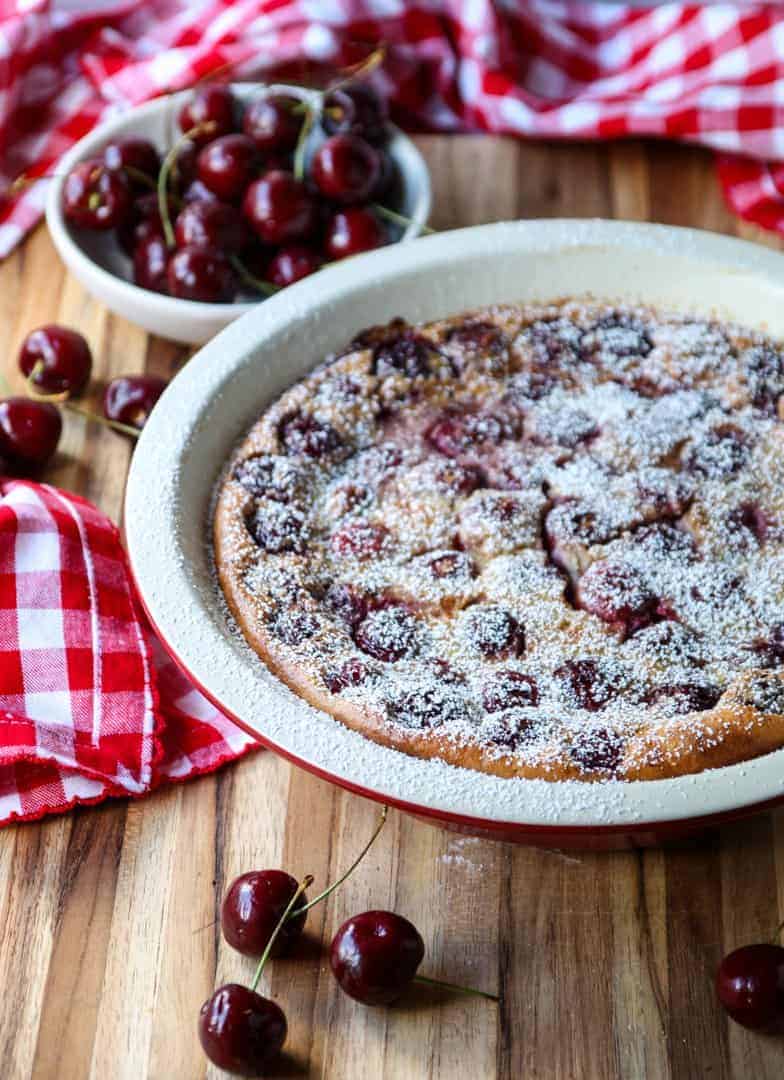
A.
pixel 254 906
pixel 273 123
pixel 291 264
pixel 352 231
pixel 375 956
pixel 750 986
pixel 346 168
pixel 241 1031
pixel 95 197
pixel 358 110
pixel 183 172
pixel 227 165
pixel 134 153
pixel 212 105
pixel 29 431
pixel 150 262
pixel 214 225
pixel 143 221
pixel 198 192
pixel 279 208
pixel 195 273
pixel 130 398
pixel 62 357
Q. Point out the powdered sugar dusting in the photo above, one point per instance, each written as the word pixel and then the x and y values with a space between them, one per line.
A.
pixel 558 537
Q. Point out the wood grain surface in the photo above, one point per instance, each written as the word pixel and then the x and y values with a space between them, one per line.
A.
pixel 108 938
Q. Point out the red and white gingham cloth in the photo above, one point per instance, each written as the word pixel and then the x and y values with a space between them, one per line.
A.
pixel 705 74
pixel 90 705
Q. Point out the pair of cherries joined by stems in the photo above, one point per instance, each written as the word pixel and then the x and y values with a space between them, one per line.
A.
pixel 373 956
pixel 57 364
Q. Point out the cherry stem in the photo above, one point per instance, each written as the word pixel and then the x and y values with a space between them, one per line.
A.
pixel 777 934
pixel 302 142
pixel 265 287
pixel 163 176
pixel 363 68
pixel 126 429
pixel 331 888
pixel 37 369
pixel 141 176
pixel 306 881
pixel 457 989
pixel 400 219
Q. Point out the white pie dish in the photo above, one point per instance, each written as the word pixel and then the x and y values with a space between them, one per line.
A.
pixel 221 391
pixel 97 261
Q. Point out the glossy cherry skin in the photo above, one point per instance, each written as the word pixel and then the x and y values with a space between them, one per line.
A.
pixel 253 907
pixel 291 264
pixel 750 986
pixel 279 208
pixel 135 153
pixel 212 104
pixel 227 165
pixel 351 231
pixel 214 225
pixel 194 273
pixel 150 263
pixel 272 123
pixel 129 399
pixel 240 1030
pixel 64 356
pixel 143 221
pixel 346 168
pixel 356 110
pixel 375 956
pixel 29 431
pixel 95 197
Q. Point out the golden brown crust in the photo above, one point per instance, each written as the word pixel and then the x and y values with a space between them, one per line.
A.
pixel 651 745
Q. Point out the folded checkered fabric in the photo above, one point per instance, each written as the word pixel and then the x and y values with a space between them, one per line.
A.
pixel 705 74
pixel 90 706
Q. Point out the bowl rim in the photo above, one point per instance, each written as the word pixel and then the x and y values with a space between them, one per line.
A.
pixel 216 661
pixel 400 146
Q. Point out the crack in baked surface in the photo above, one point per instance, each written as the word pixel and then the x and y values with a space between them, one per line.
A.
pixel 532 540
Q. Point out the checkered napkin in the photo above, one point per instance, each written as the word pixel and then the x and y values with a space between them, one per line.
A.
pixel 706 74
pixel 90 705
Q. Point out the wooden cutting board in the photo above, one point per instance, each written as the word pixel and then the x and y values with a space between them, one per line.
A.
pixel 108 940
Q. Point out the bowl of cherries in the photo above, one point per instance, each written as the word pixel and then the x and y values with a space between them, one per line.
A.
pixel 183 213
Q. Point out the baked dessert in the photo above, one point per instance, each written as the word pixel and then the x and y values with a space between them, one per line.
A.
pixel 541 541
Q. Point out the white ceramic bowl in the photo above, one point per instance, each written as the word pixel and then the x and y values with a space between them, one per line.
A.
pixel 220 392
pixel 101 266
